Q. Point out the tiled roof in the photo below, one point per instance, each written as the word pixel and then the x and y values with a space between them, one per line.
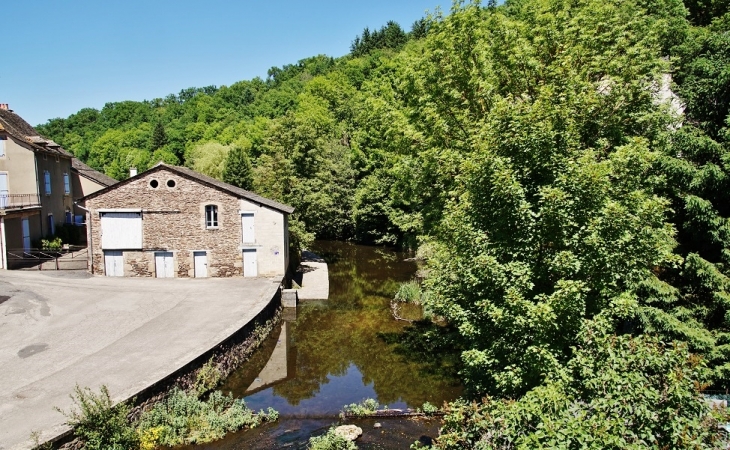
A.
pixel 18 128
pixel 93 175
pixel 206 180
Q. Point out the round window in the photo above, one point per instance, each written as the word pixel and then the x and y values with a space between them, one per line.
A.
pixel 170 183
pixel 154 184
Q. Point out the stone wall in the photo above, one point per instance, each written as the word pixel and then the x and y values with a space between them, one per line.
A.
pixel 173 219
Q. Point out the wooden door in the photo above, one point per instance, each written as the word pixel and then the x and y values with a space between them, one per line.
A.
pixel 201 264
pixel 164 265
pixel 114 263
pixel 250 265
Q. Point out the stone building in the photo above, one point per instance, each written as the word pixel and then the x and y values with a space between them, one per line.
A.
pixel 171 221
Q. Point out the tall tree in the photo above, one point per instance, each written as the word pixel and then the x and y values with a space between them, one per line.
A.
pixel 159 137
pixel 237 170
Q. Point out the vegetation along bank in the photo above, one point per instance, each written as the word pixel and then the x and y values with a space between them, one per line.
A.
pixel 576 223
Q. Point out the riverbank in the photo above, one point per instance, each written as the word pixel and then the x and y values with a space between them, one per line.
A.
pixel 136 336
pixel 341 351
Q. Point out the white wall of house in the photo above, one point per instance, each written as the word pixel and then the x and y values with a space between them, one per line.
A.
pixel 269 242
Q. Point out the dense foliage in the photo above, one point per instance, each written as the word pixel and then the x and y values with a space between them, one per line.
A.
pixel 584 405
pixel 538 151
pixel 99 423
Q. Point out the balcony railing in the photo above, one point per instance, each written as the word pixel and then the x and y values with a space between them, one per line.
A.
pixel 19 201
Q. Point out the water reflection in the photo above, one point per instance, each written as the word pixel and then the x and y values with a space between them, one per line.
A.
pixel 333 354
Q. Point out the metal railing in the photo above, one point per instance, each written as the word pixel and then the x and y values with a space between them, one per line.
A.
pixel 19 201
pixel 69 257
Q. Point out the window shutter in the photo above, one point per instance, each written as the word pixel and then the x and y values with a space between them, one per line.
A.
pixel 47 179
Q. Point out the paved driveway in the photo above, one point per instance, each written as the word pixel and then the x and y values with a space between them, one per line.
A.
pixel 59 329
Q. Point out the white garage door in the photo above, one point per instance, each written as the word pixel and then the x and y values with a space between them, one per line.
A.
pixel 200 260
pixel 164 265
pixel 250 265
pixel 113 263
pixel 121 230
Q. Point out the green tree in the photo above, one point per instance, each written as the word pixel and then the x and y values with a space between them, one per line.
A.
pixel 618 392
pixel 209 159
pixel 541 147
pixel 159 138
pixel 237 170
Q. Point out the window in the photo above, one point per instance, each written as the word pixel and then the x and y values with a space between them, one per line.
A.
pixel 66 184
pixel 211 216
pixel 171 183
pixel 51 225
pixel 47 181
pixel 154 184
pixel 2 146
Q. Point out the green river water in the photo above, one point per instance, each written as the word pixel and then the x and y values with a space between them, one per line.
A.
pixel 334 353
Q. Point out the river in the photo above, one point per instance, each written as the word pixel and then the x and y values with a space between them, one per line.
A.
pixel 333 353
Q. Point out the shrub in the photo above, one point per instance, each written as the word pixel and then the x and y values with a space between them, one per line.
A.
pixel 330 441
pixel 51 244
pixel 150 437
pixel 410 292
pixel 429 409
pixel 98 423
pixel 207 378
pixel 362 409
pixel 183 418
pixel 617 392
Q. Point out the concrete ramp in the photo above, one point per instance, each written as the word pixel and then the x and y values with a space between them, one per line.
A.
pixel 315 278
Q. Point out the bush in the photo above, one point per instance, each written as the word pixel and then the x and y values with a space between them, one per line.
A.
pixel 51 244
pixel 362 409
pixel 330 441
pixel 98 423
pixel 207 378
pixel 183 418
pixel 429 409
pixel 410 292
pixel 617 392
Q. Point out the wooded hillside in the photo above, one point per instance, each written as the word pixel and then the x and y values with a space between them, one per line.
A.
pixel 574 220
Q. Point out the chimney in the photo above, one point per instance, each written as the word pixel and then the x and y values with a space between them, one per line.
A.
pixel 132 172
pixel 4 106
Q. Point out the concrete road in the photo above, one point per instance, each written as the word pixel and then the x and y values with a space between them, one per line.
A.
pixel 59 329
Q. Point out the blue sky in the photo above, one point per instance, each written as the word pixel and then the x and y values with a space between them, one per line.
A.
pixel 61 56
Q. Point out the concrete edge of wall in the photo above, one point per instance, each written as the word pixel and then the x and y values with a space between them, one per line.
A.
pixel 227 356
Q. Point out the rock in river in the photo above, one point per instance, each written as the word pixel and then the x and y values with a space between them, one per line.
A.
pixel 349 432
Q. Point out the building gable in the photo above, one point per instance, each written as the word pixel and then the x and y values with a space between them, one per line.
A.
pixel 202 180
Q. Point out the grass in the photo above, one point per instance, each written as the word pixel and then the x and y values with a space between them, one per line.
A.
pixel 411 292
